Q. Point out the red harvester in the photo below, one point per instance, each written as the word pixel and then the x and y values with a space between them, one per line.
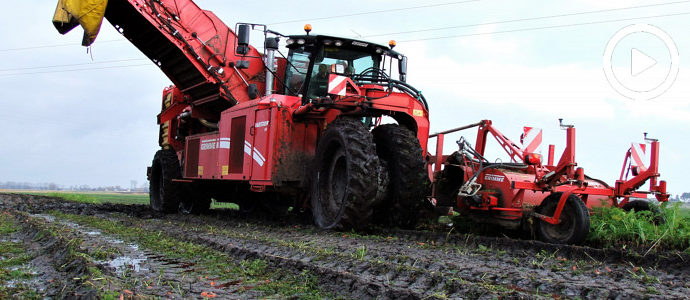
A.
pixel 304 130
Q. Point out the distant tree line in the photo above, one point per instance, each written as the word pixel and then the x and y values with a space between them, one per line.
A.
pixel 12 185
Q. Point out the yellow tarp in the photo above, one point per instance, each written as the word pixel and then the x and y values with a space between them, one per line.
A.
pixel 87 13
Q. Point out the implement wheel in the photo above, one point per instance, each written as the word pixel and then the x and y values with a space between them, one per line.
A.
pixel 164 194
pixel 574 225
pixel 640 206
pixel 408 183
pixel 345 179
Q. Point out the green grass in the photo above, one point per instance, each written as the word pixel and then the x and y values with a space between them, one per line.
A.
pixel 253 273
pixel 685 212
pixel 99 198
pixel 670 229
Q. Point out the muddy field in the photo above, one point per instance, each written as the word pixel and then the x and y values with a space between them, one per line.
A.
pixel 60 249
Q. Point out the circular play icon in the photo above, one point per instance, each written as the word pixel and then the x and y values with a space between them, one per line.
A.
pixel 641 62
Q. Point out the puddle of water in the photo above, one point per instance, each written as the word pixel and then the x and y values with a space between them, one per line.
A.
pixel 32 281
pixel 121 263
pixel 48 218
pixel 132 258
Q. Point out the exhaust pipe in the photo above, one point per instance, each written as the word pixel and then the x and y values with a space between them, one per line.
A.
pixel 271 45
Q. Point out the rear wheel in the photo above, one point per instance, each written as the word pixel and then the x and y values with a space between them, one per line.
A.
pixel 195 204
pixel 273 205
pixel 574 225
pixel 164 194
pixel 345 178
pixel 408 183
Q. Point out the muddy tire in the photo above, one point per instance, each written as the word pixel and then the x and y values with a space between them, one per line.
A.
pixel 345 178
pixel 408 182
pixel 164 194
pixel 194 205
pixel 574 225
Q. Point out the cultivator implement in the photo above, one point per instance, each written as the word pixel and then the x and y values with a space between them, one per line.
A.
pixel 556 195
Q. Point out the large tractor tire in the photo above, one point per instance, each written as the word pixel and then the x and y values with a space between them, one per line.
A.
pixel 345 177
pixel 574 225
pixel 408 181
pixel 164 194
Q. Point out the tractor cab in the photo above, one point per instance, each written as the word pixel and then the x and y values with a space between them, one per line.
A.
pixel 313 58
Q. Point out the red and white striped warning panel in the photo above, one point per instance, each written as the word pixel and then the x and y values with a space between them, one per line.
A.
pixel 638 152
pixel 531 140
pixel 337 85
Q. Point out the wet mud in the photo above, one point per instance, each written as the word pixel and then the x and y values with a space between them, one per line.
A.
pixel 382 263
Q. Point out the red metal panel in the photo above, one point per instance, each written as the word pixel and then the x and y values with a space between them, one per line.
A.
pixel 208 154
pixel 192 157
pixel 261 157
pixel 237 134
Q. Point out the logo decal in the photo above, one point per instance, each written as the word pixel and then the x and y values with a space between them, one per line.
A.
pixel 492 177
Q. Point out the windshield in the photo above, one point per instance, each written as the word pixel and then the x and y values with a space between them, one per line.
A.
pixel 341 61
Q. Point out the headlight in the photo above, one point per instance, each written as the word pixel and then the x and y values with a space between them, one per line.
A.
pixel 338 43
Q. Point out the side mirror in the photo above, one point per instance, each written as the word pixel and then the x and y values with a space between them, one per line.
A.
pixel 243 39
pixel 402 68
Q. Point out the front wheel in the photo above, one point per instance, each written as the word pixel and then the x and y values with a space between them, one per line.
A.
pixel 345 180
pixel 574 225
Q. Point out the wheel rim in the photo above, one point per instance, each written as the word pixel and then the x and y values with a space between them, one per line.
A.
pixel 336 187
pixel 563 230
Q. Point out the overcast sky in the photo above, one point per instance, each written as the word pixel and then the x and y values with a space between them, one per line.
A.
pixel 97 126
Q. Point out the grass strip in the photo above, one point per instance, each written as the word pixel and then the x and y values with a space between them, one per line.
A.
pixel 100 198
pixel 663 228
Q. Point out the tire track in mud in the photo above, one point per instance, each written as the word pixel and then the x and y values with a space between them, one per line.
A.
pixel 423 267
pixel 137 272
pixel 413 264
pixel 663 259
pixel 362 278
pixel 62 271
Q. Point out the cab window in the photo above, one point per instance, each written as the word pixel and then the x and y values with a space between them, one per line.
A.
pixel 296 72
pixel 349 62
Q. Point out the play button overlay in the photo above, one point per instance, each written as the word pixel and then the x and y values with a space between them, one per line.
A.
pixel 641 62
